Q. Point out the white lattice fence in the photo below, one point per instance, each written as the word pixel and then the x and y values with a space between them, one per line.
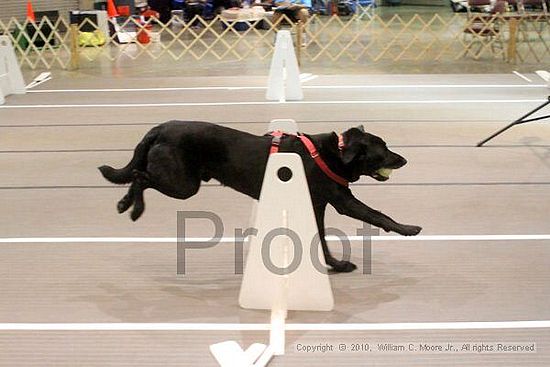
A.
pixel 372 39
pixel 40 44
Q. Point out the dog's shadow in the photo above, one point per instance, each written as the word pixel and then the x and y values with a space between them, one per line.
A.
pixel 167 299
pixel 215 299
pixel 170 300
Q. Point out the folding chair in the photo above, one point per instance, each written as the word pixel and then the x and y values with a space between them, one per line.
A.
pixel 484 28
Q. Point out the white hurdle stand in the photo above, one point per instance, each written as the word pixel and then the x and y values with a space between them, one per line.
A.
pixel 285 205
pixel 11 79
pixel 284 75
pixel 285 125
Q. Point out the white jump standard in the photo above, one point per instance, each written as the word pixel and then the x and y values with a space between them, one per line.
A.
pixel 11 79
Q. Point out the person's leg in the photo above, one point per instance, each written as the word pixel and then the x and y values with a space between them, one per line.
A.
pixel 164 12
pixel 191 11
pixel 303 16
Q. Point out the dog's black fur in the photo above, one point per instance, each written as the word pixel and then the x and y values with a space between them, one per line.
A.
pixel 176 156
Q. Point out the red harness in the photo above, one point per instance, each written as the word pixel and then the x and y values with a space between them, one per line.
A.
pixel 276 141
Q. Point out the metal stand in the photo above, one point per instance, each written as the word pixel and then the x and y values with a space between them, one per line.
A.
pixel 521 120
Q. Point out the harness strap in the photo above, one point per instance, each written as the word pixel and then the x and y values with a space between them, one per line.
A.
pixel 320 162
pixel 276 142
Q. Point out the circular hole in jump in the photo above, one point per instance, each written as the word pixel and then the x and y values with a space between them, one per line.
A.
pixel 284 174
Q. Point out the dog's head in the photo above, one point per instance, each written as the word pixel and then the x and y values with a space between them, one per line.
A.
pixel 367 154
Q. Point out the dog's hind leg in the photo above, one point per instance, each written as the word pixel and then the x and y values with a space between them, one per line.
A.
pixel 139 184
pixel 172 173
pixel 166 172
pixel 126 202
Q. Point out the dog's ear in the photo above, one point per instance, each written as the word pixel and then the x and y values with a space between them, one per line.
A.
pixel 353 144
pixel 361 128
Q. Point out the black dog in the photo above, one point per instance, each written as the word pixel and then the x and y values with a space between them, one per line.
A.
pixel 176 156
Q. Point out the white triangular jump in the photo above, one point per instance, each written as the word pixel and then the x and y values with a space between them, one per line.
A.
pixel 285 205
pixel 282 272
pixel 11 79
pixel 285 125
pixel 284 76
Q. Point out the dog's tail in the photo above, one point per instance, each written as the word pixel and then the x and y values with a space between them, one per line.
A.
pixel 139 160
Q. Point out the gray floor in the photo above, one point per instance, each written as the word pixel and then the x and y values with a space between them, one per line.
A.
pixel 49 187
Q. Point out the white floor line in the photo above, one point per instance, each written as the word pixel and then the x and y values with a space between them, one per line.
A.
pixel 482 325
pixel 421 238
pixel 166 89
pixel 264 103
pixel 233 88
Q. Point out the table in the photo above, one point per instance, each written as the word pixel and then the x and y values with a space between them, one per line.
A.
pixel 513 20
pixel 243 17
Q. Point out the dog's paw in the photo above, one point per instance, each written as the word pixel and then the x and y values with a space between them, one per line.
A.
pixel 343 266
pixel 134 215
pixel 407 230
pixel 123 205
pixel 137 211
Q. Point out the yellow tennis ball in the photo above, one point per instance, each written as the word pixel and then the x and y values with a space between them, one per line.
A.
pixel 385 172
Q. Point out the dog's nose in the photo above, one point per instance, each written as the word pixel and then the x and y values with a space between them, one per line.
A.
pixel 397 161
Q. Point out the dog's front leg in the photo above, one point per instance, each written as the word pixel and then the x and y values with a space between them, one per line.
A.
pixel 345 203
pixel 340 266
